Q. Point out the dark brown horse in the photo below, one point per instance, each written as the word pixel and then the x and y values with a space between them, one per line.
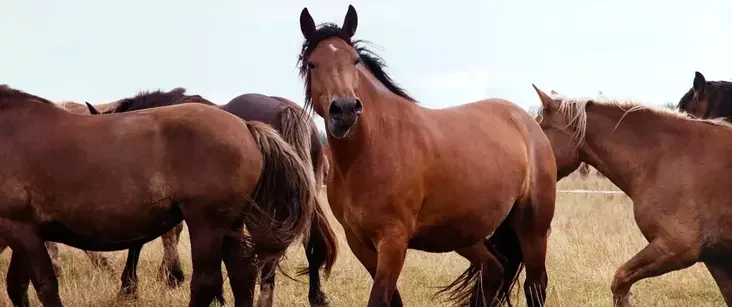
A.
pixel 662 160
pixel 289 119
pixel 97 259
pixel 479 178
pixel 170 268
pixel 708 99
pixel 118 181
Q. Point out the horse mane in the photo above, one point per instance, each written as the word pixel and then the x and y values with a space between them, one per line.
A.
pixel 7 92
pixel 575 112
pixel 156 98
pixel 371 60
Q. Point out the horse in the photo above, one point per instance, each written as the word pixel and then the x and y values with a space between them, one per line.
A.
pixel 170 268
pixel 117 181
pixel 98 260
pixel 659 157
pixel 478 179
pixel 707 99
pixel 286 117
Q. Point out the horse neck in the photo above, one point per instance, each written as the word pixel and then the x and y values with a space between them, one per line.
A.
pixel 383 110
pixel 622 151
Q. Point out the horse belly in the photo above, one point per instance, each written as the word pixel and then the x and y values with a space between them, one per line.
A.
pixel 101 230
pixel 459 231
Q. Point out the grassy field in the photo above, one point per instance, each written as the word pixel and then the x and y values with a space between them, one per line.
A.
pixel 592 235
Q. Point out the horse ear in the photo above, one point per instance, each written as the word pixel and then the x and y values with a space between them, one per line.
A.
pixel 350 22
pixel 700 83
pixel 307 25
pixel 92 109
pixel 546 101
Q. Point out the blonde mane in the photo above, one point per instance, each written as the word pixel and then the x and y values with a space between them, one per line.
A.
pixel 575 113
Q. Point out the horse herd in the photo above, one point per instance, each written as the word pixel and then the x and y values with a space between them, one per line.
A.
pixel 478 179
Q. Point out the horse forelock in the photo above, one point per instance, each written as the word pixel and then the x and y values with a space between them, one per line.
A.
pixel 371 60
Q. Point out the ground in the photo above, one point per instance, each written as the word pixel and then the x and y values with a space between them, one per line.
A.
pixel 592 234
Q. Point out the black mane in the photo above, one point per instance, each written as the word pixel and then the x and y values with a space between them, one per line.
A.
pixel 372 61
pixel 157 98
pixel 7 92
pixel 719 97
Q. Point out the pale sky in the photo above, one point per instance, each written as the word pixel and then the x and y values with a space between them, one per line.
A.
pixel 444 53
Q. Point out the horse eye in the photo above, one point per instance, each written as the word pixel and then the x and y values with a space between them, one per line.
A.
pixel 358 60
pixel 311 66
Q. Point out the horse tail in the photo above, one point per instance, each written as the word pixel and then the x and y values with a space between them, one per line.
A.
pixel 285 193
pixel 503 244
pixel 322 247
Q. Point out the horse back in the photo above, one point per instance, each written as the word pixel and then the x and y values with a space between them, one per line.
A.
pixel 268 109
pixel 104 163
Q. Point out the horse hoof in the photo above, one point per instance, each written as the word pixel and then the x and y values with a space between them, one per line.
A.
pixel 127 294
pixel 219 300
pixel 319 301
pixel 173 278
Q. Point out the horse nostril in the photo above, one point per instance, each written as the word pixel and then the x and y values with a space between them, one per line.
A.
pixel 334 109
pixel 358 108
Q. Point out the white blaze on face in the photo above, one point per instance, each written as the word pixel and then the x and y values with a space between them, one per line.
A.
pixel 333 48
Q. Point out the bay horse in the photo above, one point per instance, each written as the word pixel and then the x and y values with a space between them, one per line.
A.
pixel 118 181
pixel 662 160
pixel 478 179
pixel 299 130
pixel 98 260
pixel 708 99
pixel 170 268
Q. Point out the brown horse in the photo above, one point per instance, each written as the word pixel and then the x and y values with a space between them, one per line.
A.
pixel 479 178
pixel 708 99
pixel 118 181
pixel 170 268
pixel 297 129
pixel 657 157
pixel 97 259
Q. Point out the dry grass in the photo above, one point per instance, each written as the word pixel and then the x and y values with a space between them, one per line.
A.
pixel 592 235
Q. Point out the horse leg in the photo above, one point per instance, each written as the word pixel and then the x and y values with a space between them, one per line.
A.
pixel 52 248
pixel 722 274
pixel 657 258
pixel 391 249
pixel 129 274
pixel 313 248
pixel 242 268
pixel 206 253
pixel 170 268
pixel 98 260
pixel 483 262
pixel 267 284
pixel 18 280
pixel 368 258
pixel 39 267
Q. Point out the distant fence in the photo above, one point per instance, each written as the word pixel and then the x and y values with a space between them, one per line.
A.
pixel 591 191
